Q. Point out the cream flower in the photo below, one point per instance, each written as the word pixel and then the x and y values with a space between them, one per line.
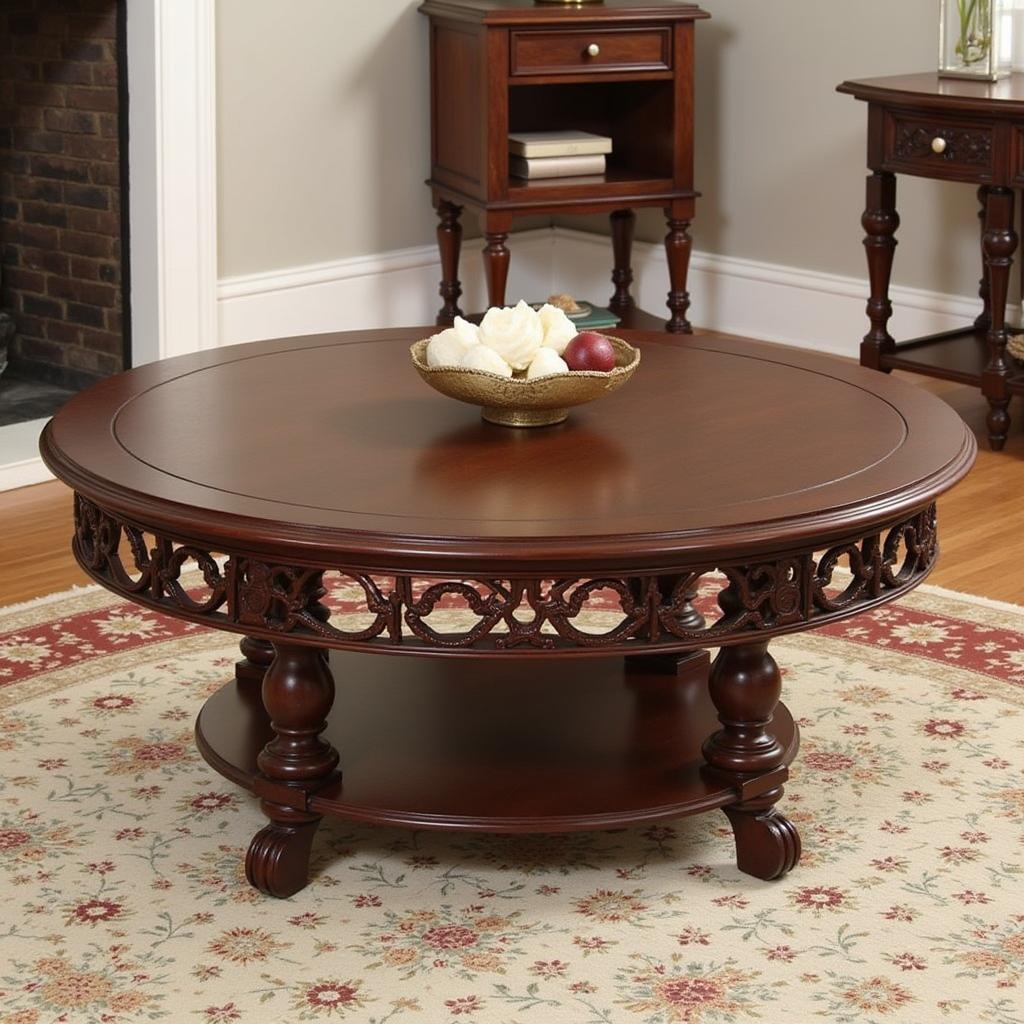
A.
pixel 559 330
pixel 483 357
pixel 515 334
pixel 449 347
pixel 546 362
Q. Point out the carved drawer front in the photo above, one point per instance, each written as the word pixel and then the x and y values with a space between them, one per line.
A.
pixel 938 147
pixel 584 51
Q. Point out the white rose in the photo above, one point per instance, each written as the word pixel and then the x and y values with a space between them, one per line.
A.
pixel 559 330
pixel 448 347
pixel 515 334
pixel 482 357
pixel 545 363
pixel 467 332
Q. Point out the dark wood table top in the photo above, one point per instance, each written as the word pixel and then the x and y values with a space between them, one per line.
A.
pixel 526 11
pixel 332 446
pixel 930 89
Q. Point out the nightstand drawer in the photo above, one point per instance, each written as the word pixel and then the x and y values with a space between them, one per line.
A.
pixel 940 147
pixel 583 51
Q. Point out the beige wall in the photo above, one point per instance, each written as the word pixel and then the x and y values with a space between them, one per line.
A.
pixel 323 135
pixel 781 154
pixel 323 131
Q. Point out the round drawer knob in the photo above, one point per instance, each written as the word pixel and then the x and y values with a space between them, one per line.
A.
pixel 593 50
pixel 939 145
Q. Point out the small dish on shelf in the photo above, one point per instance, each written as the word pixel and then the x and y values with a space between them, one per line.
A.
pixel 518 402
pixel 1015 346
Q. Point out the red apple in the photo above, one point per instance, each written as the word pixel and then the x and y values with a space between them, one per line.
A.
pixel 590 351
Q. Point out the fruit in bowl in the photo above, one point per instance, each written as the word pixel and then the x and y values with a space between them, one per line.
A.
pixel 590 351
pixel 525 367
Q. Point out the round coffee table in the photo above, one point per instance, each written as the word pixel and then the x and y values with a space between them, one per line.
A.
pixel 795 489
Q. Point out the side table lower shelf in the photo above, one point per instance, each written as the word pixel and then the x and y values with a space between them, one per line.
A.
pixel 959 355
pixel 493 746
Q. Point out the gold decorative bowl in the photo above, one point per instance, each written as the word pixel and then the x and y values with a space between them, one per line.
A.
pixel 518 402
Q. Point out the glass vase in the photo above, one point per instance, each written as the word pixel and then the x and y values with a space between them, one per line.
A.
pixel 975 39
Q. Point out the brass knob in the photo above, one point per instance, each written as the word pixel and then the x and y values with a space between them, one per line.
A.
pixel 593 50
pixel 939 145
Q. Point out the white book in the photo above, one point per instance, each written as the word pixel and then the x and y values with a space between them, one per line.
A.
pixel 556 166
pixel 567 143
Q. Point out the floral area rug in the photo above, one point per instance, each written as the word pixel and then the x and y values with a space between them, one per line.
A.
pixel 123 897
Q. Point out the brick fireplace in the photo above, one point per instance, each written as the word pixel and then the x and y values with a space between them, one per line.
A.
pixel 63 132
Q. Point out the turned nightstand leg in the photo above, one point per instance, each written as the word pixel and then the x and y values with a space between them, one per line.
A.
pixel 623 226
pixel 678 246
pixel 999 243
pixel 880 221
pixel 496 256
pixel 449 242
pixel 256 658
pixel 298 691
pixel 745 685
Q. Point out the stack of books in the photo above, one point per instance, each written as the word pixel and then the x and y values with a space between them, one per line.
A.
pixel 563 154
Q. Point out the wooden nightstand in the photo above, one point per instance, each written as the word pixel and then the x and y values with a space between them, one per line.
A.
pixel 622 68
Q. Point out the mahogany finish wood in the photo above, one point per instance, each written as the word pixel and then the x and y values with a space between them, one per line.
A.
pixel 620 68
pixel 506 522
pixel 951 130
pixel 567 747
pixel 36 560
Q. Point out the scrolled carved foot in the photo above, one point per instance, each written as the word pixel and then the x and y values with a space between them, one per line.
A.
pixel 277 862
pixel 767 843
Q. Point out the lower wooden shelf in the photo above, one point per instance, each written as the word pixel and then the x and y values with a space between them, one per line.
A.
pixel 492 746
pixel 959 355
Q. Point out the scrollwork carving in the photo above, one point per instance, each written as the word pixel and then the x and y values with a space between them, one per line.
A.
pixel 652 612
pixel 962 146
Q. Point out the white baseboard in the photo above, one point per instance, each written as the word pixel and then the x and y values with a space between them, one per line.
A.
pixel 20 464
pixel 395 289
pixel 788 305
pixel 771 302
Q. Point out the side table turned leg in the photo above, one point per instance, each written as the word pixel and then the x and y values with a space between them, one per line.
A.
pixel 678 246
pixel 984 318
pixel 298 691
pixel 623 227
pixel 880 221
pixel 256 658
pixel 745 685
pixel 999 243
pixel 449 242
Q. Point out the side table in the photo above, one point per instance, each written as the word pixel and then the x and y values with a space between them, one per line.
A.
pixel 624 69
pixel 952 130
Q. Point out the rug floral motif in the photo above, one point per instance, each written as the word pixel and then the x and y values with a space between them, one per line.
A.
pixel 124 898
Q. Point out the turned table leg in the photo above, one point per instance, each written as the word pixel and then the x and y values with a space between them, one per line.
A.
pixel 623 226
pixel 298 691
pixel 999 244
pixel 678 246
pixel 745 685
pixel 256 658
pixel 685 613
pixel 880 222
pixel 449 242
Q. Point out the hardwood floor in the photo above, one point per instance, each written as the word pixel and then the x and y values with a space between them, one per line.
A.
pixel 981 522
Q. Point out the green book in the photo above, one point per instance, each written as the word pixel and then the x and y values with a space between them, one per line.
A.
pixel 590 317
